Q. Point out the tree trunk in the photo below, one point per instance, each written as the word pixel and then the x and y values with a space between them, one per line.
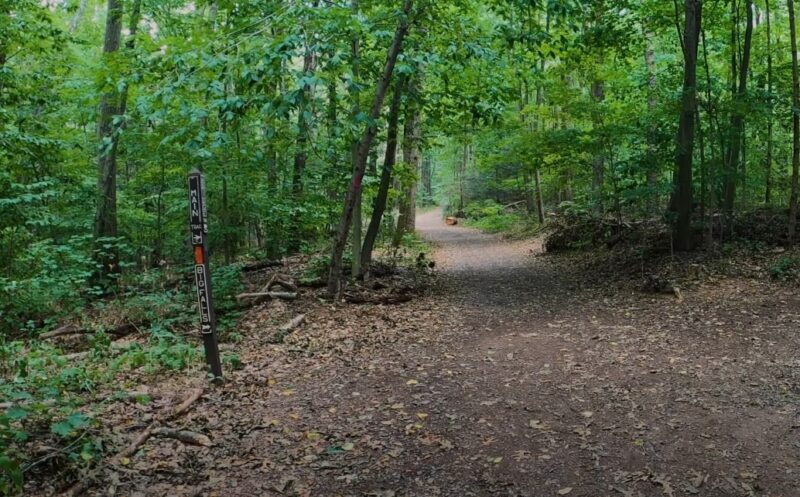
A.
pixel 795 124
pixel 301 147
pixel 427 180
pixel 356 240
pixel 737 118
pixel 105 225
pixel 537 181
pixel 379 205
pixel 462 171
pixel 652 105
pixel 301 154
pixel 768 159
pixel 691 33
pixel 76 19
pixel 598 162
pixel 411 157
pixel 335 275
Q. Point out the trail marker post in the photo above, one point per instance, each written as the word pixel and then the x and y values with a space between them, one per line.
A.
pixel 198 225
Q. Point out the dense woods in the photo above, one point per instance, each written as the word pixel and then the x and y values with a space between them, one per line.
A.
pixel 322 126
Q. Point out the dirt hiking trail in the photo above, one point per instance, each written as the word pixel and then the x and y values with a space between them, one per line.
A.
pixel 518 376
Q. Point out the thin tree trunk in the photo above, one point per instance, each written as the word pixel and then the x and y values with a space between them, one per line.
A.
pixel 301 143
pixel 335 275
pixel 379 205
pixel 537 181
pixel 652 105
pixel 301 155
pixel 598 162
pixel 427 180
pixel 703 173
pixel 768 159
pixel 737 118
pixel 693 21
pixel 105 225
pixel 356 240
pixel 411 157
pixel 795 124
pixel 462 171
pixel 76 19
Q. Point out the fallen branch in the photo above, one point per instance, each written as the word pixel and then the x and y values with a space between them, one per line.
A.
pixel 153 428
pixel 513 204
pixel 67 329
pixel 185 436
pixel 294 323
pixel 155 425
pixel 283 281
pixel 271 295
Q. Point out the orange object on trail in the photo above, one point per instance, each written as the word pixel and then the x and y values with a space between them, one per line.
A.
pixel 451 221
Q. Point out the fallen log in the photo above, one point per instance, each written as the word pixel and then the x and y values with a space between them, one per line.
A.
pixel 294 323
pixel 283 281
pixel 271 295
pixel 185 436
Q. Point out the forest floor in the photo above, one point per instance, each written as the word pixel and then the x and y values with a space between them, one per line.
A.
pixel 518 375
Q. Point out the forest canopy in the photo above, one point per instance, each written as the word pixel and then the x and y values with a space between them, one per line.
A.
pixel 628 109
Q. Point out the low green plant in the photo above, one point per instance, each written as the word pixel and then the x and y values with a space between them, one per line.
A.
pixel 785 268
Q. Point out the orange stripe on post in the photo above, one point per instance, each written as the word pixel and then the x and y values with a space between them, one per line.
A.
pixel 198 255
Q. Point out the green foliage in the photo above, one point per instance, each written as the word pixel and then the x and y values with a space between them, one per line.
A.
pixel 785 268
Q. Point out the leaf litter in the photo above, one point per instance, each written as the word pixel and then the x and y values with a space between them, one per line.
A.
pixel 601 390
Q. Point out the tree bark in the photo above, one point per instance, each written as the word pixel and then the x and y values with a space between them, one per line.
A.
pixel 411 157
pixel 379 205
pixel 76 19
pixel 795 124
pixel 356 241
pixel 335 275
pixel 652 105
pixel 598 162
pixel 768 159
pixel 105 225
pixel 737 117
pixel 301 154
pixel 691 33
pixel 427 180
pixel 301 144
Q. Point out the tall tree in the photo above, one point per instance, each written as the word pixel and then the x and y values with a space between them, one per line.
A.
pixel 685 148
pixel 379 205
pixel 770 118
pixel 739 91
pixel 111 108
pixel 335 275
pixel 652 105
pixel 357 209
pixel 411 158
pixel 795 123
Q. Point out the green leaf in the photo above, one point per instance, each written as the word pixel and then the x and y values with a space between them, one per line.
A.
pixel 63 429
pixel 16 413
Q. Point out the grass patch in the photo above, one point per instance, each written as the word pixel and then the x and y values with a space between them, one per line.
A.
pixel 491 217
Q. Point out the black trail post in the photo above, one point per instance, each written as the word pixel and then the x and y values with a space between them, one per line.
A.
pixel 198 224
